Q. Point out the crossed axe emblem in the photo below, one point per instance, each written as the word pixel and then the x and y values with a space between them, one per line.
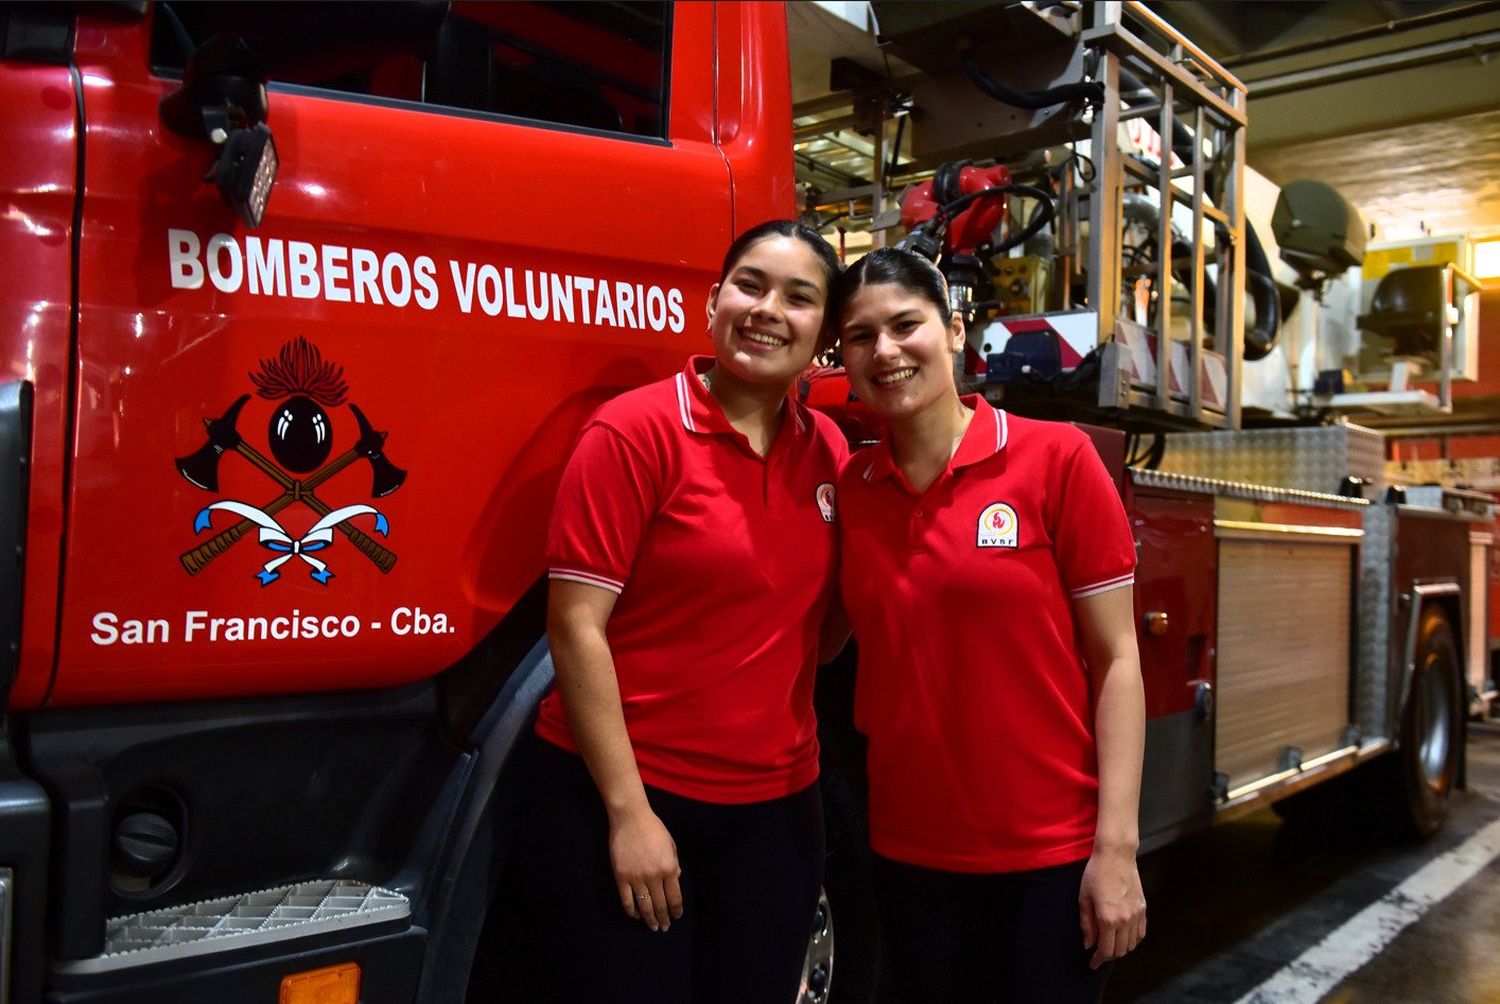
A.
pixel 202 469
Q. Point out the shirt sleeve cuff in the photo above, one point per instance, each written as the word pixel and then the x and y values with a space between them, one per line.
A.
pixel 1102 586
pixel 587 578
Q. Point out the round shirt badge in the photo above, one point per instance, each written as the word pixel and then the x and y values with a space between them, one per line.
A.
pixel 824 496
pixel 998 526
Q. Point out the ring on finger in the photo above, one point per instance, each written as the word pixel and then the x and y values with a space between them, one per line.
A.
pixel 643 895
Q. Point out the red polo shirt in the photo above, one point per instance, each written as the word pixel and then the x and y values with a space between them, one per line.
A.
pixel 971 686
pixel 725 562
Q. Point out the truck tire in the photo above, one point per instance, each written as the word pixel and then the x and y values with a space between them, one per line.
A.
pixel 1426 763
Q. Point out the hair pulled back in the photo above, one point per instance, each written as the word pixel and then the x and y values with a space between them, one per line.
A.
pixel 828 260
pixel 895 267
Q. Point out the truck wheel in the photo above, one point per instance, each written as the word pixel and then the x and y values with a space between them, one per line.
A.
pixel 843 954
pixel 817 968
pixel 1431 729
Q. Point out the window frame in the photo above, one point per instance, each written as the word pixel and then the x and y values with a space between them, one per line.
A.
pixel 274 86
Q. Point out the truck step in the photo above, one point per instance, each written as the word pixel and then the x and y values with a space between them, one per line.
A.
pixel 216 925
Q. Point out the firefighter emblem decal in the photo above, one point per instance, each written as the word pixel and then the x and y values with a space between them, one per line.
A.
pixel 825 501
pixel 299 438
pixel 998 526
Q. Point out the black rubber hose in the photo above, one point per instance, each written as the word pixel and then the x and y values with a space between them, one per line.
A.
pixel 1088 90
pixel 1260 286
pixel 1182 136
pixel 1035 224
pixel 948 211
pixel 890 168
pixel 824 224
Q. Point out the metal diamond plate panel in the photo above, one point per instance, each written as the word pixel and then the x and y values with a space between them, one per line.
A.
pixel 236 921
pixel 1310 459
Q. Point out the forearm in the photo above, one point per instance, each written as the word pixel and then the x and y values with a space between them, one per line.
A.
pixel 1120 739
pixel 641 851
pixel 1112 907
pixel 590 694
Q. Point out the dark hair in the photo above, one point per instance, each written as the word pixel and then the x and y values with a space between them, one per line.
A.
pixel 821 249
pixel 911 272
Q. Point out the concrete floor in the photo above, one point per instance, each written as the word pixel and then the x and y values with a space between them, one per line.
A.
pixel 1236 906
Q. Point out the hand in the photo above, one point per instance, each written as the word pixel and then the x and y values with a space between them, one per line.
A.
pixel 644 858
pixel 1111 905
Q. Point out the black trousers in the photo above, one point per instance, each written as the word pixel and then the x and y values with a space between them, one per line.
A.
pixel 963 938
pixel 750 880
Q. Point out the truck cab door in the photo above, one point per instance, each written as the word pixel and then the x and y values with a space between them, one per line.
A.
pixel 488 218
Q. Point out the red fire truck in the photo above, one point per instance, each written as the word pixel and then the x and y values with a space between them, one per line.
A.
pixel 303 307
pixel 278 493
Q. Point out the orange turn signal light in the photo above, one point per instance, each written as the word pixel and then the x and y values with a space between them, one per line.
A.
pixel 1156 623
pixel 329 985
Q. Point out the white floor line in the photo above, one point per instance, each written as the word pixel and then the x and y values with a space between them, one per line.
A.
pixel 1325 965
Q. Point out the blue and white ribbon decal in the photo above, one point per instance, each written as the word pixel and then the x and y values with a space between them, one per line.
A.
pixel 274 537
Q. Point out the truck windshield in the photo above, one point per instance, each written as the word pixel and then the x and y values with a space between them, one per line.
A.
pixel 596 65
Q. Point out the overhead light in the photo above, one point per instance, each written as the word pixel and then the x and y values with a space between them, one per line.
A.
pixel 1487 258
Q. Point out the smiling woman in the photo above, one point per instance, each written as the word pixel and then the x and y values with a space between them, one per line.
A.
pixel 677 825
pixel 1004 780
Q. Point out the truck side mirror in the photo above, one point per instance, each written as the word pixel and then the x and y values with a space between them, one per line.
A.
pixel 223 99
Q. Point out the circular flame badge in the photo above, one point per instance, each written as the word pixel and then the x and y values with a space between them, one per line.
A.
pixel 998 526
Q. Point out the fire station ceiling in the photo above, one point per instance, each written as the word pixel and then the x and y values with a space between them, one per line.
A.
pixel 1391 102
pixel 1394 102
